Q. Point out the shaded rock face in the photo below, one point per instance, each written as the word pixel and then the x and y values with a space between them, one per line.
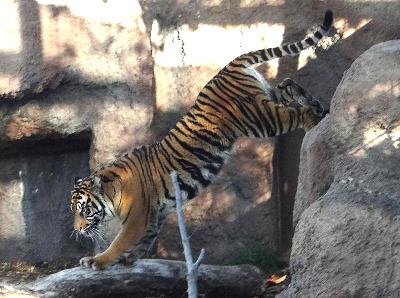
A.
pixel 346 240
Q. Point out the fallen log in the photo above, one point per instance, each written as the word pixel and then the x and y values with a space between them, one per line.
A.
pixel 150 278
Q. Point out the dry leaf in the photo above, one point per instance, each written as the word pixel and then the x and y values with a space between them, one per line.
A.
pixel 276 279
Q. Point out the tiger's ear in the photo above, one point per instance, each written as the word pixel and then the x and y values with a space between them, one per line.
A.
pixel 77 181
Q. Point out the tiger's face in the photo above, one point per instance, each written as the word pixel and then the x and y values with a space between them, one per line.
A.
pixel 87 204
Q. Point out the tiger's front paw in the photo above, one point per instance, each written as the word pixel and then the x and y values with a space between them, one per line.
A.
pixel 92 262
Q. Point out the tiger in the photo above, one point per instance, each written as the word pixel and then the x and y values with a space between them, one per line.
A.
pixel 137 188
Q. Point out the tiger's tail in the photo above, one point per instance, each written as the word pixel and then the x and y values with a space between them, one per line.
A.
pixel 290 49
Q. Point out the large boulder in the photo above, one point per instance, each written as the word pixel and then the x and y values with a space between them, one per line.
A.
pixel 346 240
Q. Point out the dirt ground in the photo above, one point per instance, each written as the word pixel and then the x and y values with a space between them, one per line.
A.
pixel 21 272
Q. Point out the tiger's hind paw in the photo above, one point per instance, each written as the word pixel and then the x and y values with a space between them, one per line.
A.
pixel 91 262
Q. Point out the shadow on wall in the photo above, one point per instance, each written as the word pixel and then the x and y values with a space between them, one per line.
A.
pixel 35 220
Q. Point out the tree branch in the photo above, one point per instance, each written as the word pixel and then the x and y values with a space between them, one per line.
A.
pixel 192 269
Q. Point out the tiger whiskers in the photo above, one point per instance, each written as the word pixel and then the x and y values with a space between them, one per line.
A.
pixel 95 235
pixel 75 234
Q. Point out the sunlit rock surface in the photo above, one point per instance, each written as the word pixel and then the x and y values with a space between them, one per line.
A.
pixel 346 242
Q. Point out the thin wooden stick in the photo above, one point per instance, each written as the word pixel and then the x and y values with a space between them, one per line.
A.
pixel 192 269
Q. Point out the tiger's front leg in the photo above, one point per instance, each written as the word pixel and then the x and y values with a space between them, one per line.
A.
pixel 146 243
pixel 122 242
pixel 128 237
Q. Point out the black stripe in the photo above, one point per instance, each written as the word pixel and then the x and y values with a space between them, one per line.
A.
pixel 194 171
pixel 177 153
pixel 235 65
pixel 221 125
pixel 278 119
pixel 243 83
pixel 244 57
pixel 254 56
pixel 192 118
pixel 263 55
pixel 219 137
pixel 263 120
pixel 299 45
pixel 242 107
pixel 166 190
pixel 310 41
pixel 293 48
pixel 277 51
pixel 318 35
pixel 271 117
pixel 143 175
pixel 286 48
pixel 239 121
pixel 239 73
pixel 198 152
pixel 270 53
pixel 167 157
pixel 220 97
pixel 235 121
pixel 138 173
pixel 126 218
pixel 189 189
pixel 202 137
pixel 147 155
pixel 161 163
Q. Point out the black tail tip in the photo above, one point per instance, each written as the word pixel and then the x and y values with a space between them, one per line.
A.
pixel 328 20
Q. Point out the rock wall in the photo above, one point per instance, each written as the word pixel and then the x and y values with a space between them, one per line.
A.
pixel 82 81
pixel 347 205
pixel 76 90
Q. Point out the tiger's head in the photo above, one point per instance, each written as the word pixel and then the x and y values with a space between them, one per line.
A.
pixel 88 203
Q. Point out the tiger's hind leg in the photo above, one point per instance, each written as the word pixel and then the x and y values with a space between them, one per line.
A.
pixel 290 92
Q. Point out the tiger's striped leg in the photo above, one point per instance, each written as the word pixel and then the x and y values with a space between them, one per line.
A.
pixel 132 231
pixel 146 243
pixel 290 92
